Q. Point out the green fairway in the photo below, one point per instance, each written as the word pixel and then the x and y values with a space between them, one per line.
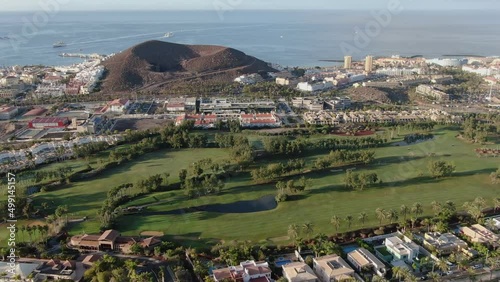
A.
pixel 405 181
pixel 403 170
pixel 86 197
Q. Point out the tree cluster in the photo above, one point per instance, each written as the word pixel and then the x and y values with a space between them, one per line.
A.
pixel 204 177
pixel 360 181
pixel 343 157
pixel 440 169
pixel 277 170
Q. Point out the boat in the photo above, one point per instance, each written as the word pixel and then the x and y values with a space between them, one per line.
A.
pixel 59 44
pixel 168 34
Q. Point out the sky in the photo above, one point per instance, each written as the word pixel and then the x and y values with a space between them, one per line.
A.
pixel 85 5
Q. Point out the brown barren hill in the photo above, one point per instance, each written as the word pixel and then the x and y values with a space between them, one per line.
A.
pixel 154 64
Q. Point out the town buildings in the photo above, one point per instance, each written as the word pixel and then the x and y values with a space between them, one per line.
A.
pixel 209 121
pixel 248 271
pixel 362 259
pixel 49 122
pixel 447 62
pixel 444 244
pixel 309 103
pixel 299 272
pixel 111 240
pixel 259 120
pixel 314 86
pixel 401 250
pixel 347 62
pixel 429 91
pixel 369 64
pixel 480 234
pixel 117 106
pixel 332 268
pixel 8 112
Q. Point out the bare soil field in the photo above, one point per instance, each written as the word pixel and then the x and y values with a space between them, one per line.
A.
pixel 140 124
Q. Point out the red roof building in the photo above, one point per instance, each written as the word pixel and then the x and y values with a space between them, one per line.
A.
pixel 49 122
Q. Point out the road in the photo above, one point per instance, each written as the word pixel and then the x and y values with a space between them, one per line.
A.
pixel 485 277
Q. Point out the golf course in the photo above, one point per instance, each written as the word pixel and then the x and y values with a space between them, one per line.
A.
pixel 402 170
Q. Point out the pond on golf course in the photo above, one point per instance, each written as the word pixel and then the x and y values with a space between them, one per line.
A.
pixel 265 203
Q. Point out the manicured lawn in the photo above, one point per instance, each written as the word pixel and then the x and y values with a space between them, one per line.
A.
pixel 403 171
pixel 85 198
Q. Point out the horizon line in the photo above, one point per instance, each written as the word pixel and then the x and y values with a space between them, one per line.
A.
pixel 253 9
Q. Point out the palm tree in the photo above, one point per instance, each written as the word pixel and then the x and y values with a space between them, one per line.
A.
pixel 349 219
pixel 377 278
pixel 450 205
pixel 472 275
pixel 362 217
pixel 496 204
pixel 441 265
pixel 434 277
pixel 381 215
pixel 409 277
pixel 436 207
pixel 417 209
pixel 427 223
pixel 335 221
pixel 404 211
pixel 493 262
pixel 308 228
pixel 392 215
pixel 293 231
pixel 398 273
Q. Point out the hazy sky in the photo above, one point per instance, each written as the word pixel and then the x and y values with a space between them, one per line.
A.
pixel 23 5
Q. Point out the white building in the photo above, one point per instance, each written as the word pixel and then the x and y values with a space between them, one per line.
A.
pixel 483 71
pixel 447 62
pixel 356 78
pixel 401 250
pixel 249 79
pixel 282 81
pixel 299 272
pixel 332 268
pixel 9 80
pixel 118 105
pixel 315 86
pixel 362 258
pixel 429 91
pixel 245 272
pixel 399 71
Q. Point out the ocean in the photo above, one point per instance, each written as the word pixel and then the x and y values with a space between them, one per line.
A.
pixel 288 38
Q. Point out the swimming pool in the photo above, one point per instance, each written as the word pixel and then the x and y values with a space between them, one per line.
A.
pixel 349 248
pixel 280 263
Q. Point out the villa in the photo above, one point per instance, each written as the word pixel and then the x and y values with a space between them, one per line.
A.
pixel 111 240
pixel 299 272
pixel 248 271
pixel 444 244
pixel 401 250
pixel 480 234
pixel 332 268
pixel 362 258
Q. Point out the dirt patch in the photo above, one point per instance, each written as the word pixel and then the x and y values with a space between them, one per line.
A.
pixel 152 233
pixel 140 124
pixel 37 222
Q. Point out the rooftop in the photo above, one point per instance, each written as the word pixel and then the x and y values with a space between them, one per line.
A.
pixel 334 266
pixel 298 271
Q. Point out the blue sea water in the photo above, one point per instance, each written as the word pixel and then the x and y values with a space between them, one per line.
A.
pixel 289 38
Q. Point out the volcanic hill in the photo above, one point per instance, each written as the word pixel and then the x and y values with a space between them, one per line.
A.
pixel 154 64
